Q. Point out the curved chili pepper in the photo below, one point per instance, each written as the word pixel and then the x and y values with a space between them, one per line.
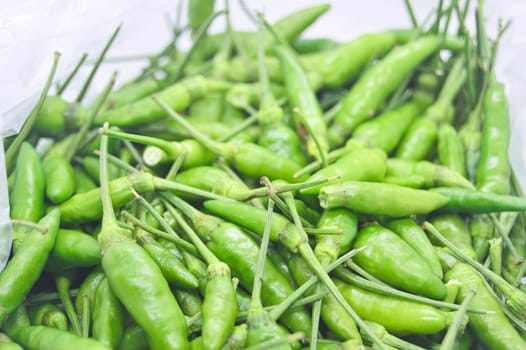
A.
pixel 41 337
pixel 26 266
pixel 60 179
pixel 73 248
pixel 362 164
pixel 380 199
pixel 393 261
pixel 376 84
pixel 58 116
pixel 493 329
pixel 26 198
pixel 108 316
pixel 49 315
pixel 413 235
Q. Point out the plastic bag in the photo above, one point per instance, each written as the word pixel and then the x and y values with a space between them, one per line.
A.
pixel 30 31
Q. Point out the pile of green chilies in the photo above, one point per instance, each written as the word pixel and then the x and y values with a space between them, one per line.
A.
pixel 265 191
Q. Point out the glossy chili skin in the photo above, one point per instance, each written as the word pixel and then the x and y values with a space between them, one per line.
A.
pixel 26 266
pixel 83 183
pixel 60 179
pixel 380 199
pixel 198 12
pixel 413 235
pixel 392 260
pixel 73 248
pixel 131 92
pixel 492 329
pixel 49 315
pixel 283 141
pixel 386 130
pixel 108 317
pixel 398 316
pixel 26 198
pixel 418 140
pixel 362 164
pixel 494 171
pixel 88 287
pixel 376 84
pixel 58 116
pixel 300 95
pixel 214 180
pixel 189 300
pixel 133 338
pixel 482 230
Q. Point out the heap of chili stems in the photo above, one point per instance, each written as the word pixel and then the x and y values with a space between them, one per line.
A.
pixel 265 191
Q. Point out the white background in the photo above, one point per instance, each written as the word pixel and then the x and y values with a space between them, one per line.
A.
pixel 31 30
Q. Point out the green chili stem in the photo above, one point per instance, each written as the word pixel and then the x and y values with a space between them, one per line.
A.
pixel 513 318
pixel 81 134
pixel 390 339
pixel 289 301
pixel 203 250
pixel 108 214
pixel 255 302
pixel 436 25
pixel 504 233
pixel 214 146
pixel 85 316
pixel 178 241
pixel 247 11
pixel 12 151
pixel 118 162
pixel 135 154
pixel 332 112
pixel 86 85
pixel 483 49
pixel 62 87
pixel 520 274
pixel 224 166
pixel 166 185
pixel 286 339
pixel 166 146
pixel 315 165
pixel 495 255
pixel 63 283
pixel 279 188
pixel 316 313
pixel 411 12
pixel 201 32
pixel 306 251
pixel 184 207
pixel 454 81
pixel 516 299
pixel 312 134
pixel 286 211
pixel 448 18
pixel 358 269
pixel 239 128
pixel 176 165
pixel 448 343
pixel 32 225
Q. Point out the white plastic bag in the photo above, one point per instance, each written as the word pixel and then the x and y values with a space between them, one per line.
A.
pixel 31 30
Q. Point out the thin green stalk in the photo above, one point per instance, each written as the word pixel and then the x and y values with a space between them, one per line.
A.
pixel 358 269
pixel 63 283
pixel 316 313
pixel 178 241
pixel 176 165
pixel 12 151
pixel 312 134
pixel 118 162
pixel 85 316
pixel 224 166
pixel 448 343
pixel 239 128
pixel 411 12
pixel 286 339
pixel 135 154
pixel 32 225
pixel 62 87
pixel 316 164
pixel 86 85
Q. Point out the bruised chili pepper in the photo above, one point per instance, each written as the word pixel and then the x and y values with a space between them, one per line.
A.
pixel 376 84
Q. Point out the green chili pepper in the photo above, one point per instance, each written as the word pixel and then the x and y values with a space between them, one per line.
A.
pixel 83 183
pixel 392 260
pixel 145 111
pixel 132 92
pixel 25 267
pixel 91 166
pixel 41 337
pixel 493 172
pixel 376 84
pixel 308 46
pixel 482 230
pixel 129 268
pixel 108 316
pixel 58 116
pixel 301 96
pixel 198 12
pixel 454 229
pixel 7 344
pixel 386 130
pixel 361 164
pixel 88 287
pixel 493 329
pixel 398 316
pixel 232 245
pixel 418 140
pixel 380 199
pixel 73 248
pixel 49 315
pixel 432 174
pixel 60 179
pixel 133 338
pixel 26 198
pixel 475 202
pixel 209 108
pixel 413 235
pixel 189 301
pixel 250 159
pixel 451 151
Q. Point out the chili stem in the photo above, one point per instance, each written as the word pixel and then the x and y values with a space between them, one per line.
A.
pixel 176 165
pixel 411 12
pixel 85 316
pixel 312 134
pixel 286 339
pixel 448 342
pixel 62 87
pixel 118 162
pixel 32 225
